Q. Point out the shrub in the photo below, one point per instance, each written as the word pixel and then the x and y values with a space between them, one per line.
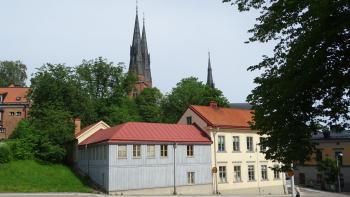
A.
pixel 5 153
pixel 22 149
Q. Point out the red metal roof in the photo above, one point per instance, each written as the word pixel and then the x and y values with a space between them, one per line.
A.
pixel 14 94
pixel 138 132
pixel 223 117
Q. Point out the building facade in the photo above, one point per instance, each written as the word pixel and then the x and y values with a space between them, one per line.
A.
pixel 140 62
pixel 329 145
pixel 235 150
pixel 14 106
pixel 135 156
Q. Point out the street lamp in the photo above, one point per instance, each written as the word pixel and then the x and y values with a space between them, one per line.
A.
pixel 339 155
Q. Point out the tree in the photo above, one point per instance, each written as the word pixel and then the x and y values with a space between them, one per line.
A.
pixel 189 91
pixel 329 170
pixel 149 105
pixel 12 72
pixel 306 82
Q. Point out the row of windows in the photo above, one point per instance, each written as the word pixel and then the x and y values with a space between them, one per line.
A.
pixel 236 147
pixel 319 156
pixel 237 173
pixel 122 152
pixel 15 113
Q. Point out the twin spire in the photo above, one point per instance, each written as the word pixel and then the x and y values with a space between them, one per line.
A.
pixel 139 56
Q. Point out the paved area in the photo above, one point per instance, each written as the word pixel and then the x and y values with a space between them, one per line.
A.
pixel 304 193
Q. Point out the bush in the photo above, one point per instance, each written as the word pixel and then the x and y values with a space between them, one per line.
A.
pixel 5 153
pixel 22 149
pixel 49 152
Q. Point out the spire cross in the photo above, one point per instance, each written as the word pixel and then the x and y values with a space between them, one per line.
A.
pixel 137 7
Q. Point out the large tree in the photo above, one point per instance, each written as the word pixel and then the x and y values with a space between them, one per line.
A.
pixel 149 105
pixel 12 72
pixel 189 91
pixel 306 82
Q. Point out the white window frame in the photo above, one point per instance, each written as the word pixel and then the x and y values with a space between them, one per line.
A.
pixel 136 151
pixel 276 173
pixel 237 173
pixel 264 174
pixel 251 173
pixel 250 144
pixel 190 150
pixel 222 174
pixel 221 143
pixel 236 144
pixel 191 178
pixel 163 150
pixel 151 151
pixel 122 154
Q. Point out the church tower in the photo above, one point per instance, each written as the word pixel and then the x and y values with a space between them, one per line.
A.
pixel 210 81
pixel 140 58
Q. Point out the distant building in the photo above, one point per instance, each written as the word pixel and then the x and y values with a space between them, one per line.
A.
pixel 140 61
pixel 330 145
pixel 235 150
pixel 14 106
pixel 240 105
pixel 135 156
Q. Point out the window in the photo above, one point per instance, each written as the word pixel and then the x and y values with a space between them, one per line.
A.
pixel 151 151
pixel 222 174
pixel 189 119
pixel 12 113
pixel 237 173
pixel 276 173
pixel 136 150
pixel 190 177
pixel 318 155
pixel 338 157
pixel 122 151
pixel 262 148
pixel 221 143
pixel 18 113
pixel 235 140
pixel 189 150
pixel 250 144
pixel 251 173
pixel 163 150
pixel 1 98
pixel 263 172
pixel 18 98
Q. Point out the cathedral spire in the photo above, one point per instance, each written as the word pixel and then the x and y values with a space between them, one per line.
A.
pixel 210 81
pixel 145 54
pixel 135 49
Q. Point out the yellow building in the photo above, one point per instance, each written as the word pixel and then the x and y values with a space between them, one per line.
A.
pixel 329 145
pixel 241 167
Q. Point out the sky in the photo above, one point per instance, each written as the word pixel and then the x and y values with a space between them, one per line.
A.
pixel 179 34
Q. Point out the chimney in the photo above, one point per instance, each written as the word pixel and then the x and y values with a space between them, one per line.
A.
pixel 213 104
pixel 77 123
pixel 12 85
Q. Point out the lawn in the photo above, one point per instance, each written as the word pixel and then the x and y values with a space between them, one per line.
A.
pixel 31 176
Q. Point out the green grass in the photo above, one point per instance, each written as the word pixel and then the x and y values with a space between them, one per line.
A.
pixel 31 176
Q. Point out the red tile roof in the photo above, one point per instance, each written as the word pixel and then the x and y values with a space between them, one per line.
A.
pixel 223 117
pixel 14 94
pixel 140 132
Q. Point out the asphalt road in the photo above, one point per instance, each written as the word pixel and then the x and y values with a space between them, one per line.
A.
pixel 304 193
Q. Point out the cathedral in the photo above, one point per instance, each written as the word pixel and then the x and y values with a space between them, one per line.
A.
pixel 140 59
pixel 140 62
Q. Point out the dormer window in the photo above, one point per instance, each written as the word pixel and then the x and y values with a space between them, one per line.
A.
pixel 1 98
pixel 18 98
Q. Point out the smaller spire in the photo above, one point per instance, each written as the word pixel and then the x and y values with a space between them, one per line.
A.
pixel 210 81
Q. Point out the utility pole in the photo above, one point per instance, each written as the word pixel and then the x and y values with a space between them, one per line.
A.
pixel 174 147
pixel 292 181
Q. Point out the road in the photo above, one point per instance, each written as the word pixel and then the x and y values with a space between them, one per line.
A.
pixel 304 193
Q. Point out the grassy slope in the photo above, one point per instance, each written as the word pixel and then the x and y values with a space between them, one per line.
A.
pixel 30 176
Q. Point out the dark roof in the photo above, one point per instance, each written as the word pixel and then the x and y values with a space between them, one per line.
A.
pixel 332 135
pixel 140 132
pixel 241 105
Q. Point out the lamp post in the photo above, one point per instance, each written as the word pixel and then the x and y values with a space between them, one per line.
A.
pixel 174 147
pixel 339 155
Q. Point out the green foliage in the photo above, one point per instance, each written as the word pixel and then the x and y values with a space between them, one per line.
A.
pixel 306 82
pixel 31 176
pixel 124 112
pixel 12 72
pixel 189 91
pixel 149 105
pixel 329 170
pixel 5 153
